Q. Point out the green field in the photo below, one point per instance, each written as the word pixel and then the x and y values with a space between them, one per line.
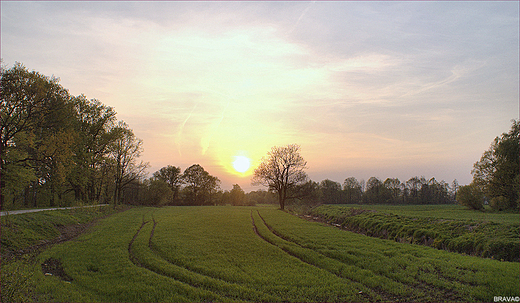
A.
pixel 252 254
pixel 446 211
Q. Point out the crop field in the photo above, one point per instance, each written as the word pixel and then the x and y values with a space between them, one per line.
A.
pixel 446 211
pixel 255 254
pixel 440 226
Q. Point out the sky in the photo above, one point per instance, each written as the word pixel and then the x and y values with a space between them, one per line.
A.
pixel 367 89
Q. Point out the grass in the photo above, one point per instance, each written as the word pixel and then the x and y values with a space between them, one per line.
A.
pixel 25 230
pixel 445 211
pixel 434 227
pixel 22 236
pixel 258 254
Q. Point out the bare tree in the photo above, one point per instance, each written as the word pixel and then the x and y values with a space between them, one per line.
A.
pixel 124 151
pixel 282 171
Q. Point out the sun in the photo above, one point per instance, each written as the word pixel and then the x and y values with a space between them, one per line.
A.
pixel 241 164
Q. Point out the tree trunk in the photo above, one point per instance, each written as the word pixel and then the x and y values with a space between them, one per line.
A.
pixel 281 199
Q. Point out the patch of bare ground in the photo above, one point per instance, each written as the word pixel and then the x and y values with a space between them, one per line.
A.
pixel 53 267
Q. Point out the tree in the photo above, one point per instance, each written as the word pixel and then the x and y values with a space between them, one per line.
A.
pixel 376 192
pixel 172 176
pixel 154 192
pixel 497 171
pixel 471 196
pixel 28 100
pixel 237 196
pixel 200 185
pixel 352 190
pixel 330 192
pixel 93 124
pixel 394 186
pixel 282 171
pixel 124 152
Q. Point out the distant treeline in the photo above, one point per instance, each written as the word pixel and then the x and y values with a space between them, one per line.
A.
pixel 416 190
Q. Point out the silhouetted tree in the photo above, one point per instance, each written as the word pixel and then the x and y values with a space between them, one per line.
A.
pixel 352 191
pixel 471 196
pixel 282 171
pixel 201 187
pixel 172 176
pixel 330 192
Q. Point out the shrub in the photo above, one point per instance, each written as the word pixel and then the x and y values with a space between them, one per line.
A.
pixel 499 203
pixel 470 196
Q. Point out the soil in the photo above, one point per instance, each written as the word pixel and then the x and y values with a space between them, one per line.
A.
pixel 53 267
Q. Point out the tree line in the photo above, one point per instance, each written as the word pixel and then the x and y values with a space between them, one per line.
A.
pixel 194 186
pixel 56 148
pixel 282 170
pixel 416 190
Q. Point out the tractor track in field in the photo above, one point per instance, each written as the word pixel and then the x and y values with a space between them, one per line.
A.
pixel 364 295
pixel 213 290
pixel 427 288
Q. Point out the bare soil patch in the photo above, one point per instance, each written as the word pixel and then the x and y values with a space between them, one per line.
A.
pixel 53 267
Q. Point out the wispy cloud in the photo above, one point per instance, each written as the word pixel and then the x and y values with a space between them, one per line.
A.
pixel 357 84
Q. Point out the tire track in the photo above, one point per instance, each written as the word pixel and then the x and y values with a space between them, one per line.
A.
pixel 230 291
pixel 423 286
pixel 206 294
pixel 365 294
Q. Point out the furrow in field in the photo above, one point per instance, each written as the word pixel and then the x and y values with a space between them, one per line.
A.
pixel 421 287
pixel 139 260
pixel 365 292
pixel 153 261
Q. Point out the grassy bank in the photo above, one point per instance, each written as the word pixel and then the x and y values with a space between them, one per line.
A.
pixel 443 227
pixel 23 236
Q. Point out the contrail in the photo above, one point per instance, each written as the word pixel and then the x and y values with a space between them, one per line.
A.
pixel 179 133
pixel 301 17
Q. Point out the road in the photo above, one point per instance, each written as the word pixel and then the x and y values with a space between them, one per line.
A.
pixel 24 211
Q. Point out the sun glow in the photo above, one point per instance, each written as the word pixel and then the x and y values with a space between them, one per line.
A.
pixel 241 164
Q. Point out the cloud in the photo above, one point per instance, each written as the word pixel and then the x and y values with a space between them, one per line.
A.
pixel 357 84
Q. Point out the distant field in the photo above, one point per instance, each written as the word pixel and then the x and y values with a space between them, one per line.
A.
pixel 196 254
pixel 450 211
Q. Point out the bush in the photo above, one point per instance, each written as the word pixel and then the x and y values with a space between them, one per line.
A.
pixel 499 203
pixel 470 196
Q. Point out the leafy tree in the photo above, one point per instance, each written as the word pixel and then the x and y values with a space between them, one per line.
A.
pixel 36 119
pixel 471 196
pixel 261 197
pixel 282 171
pixel 154 192
pixel 172 176
pixel 237 196
pixel 352 190
pixel 413 185
pixel 497 171
pixel 393 185
pixel 330 192
pixel 93 127
pixel 201 187
pixel 376 192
